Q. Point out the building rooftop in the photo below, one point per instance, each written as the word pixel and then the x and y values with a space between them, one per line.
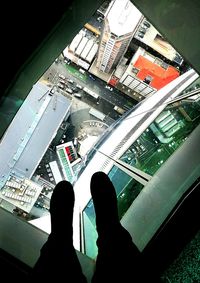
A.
pixel 123 17
pixel 161 76
pixel 22 193
pixel 22 147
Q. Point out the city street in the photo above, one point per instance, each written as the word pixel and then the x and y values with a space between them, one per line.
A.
pixel 108 99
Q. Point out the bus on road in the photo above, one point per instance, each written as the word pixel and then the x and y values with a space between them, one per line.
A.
pixel 91 93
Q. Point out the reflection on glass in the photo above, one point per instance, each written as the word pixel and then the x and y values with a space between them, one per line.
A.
pixel 166 134
pixel 89 230
pixel 126 187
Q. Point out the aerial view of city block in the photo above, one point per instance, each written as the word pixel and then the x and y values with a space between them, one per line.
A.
pixel 118 99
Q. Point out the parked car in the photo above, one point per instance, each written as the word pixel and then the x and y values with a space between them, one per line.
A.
pixel 109 87
pixel 119 110
pixel 60 86
pixel 99 19
pixel 82 71
pixel 78 95
pixel 142 30
pixel 69 90
pixel 67 61
pixel 61 76
pixel 62 82
pixel 79 86
pixel 70 81
pixel 93 78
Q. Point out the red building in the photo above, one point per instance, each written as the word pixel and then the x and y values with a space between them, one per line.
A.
pixel 157 76
pixel 146 73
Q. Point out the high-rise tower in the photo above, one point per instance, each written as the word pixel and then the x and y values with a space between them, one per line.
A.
pixel 120 22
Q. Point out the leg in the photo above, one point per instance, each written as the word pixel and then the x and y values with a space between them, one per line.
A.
pixel 58 257
pixel 118 258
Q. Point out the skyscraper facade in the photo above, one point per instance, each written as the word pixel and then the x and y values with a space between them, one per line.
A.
pixel 120 22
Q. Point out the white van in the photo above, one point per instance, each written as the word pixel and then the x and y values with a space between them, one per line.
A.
pixel 70 81
pixel 61 76
pixel 119 110
pixel 82 71
pixel 69 90
pixel 79 86
pixel 78 95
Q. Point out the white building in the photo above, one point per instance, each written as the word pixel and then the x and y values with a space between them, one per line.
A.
pixel 121 20
pixel 82 50
pixel 31 132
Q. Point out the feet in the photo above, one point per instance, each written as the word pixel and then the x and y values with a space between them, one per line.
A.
pixel 58 257
pixel 61 210
pixel 105 203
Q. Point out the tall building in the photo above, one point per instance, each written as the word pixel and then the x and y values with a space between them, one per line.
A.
pixel 120 23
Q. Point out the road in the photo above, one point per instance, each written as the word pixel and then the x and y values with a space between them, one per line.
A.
pixel 108 99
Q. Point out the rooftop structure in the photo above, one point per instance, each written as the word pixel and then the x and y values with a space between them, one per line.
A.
pixel 146 73
pixel 147 33
pixel 82 49
pixel 67 155
pixel 55 171
pixel 154 70
pixel 122 17
pixel 22 193
pixel 22 147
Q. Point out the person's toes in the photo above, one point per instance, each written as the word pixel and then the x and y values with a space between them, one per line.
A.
pixel 105 201
pixel 61 208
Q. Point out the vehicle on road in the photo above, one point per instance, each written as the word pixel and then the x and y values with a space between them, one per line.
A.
pixel 61 76
pixel 82 71
pixel 119 110
pixel 60 86
pixel 109 87
pixel 92 77
pixel 78 95
pixel 70 81
pixel 97 114
pixel 79 86
pixel 91 93
pixel 69 90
